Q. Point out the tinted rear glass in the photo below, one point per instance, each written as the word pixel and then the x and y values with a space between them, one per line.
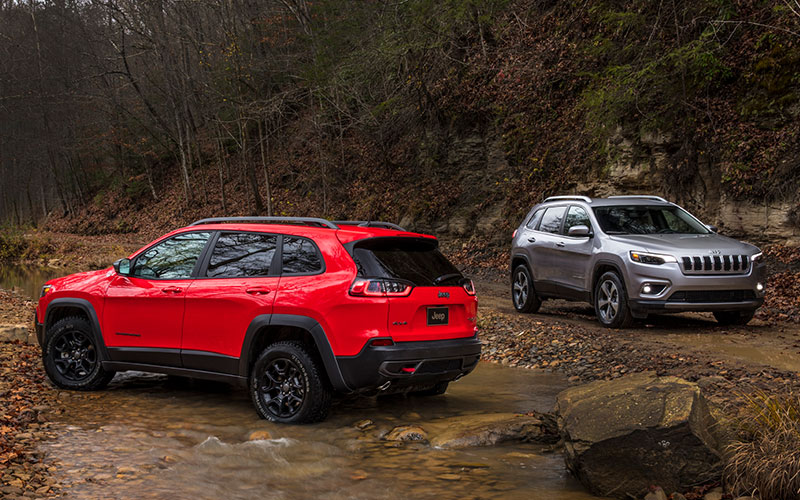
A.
pixel 300 256
pixel 242 255
pixel 551 222
pixel 415 260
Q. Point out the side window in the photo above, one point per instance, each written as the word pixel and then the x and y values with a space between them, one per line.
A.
pixel 576 216
pixel 551 220
pixel 171 259
pixel 537 216
pixel 240 255
pixel 300 256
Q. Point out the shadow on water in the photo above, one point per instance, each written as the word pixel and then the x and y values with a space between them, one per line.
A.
pixel 150 437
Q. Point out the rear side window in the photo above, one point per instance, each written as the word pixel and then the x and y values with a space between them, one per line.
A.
pixel 300 256
pixel 537 216
pixel 242 255
pixel 551 221
pixel 417 261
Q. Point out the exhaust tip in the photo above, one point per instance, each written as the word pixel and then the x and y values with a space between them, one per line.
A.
pixel 385 386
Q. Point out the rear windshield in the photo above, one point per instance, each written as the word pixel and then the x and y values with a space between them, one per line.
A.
pixel 647 220
pixel 414 260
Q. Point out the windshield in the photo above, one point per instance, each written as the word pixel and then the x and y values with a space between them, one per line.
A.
pixel 410 259
pixel 642 219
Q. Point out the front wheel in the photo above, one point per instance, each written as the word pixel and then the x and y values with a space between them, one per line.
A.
pixel 71 359
pixel 611 302
pixel 727 318
pixel 287 385
pixel 522 292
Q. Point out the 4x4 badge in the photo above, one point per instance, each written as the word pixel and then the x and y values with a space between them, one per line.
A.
pixel 444 295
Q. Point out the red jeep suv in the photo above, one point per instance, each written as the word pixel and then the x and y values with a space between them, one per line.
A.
pixel 297 309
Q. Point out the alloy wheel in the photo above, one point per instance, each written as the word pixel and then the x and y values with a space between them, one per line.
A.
pixel 75 357
pixel 521 290
pixel 282 387
pixel 608 301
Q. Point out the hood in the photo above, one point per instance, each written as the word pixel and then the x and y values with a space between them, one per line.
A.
pixel 80 280
pixel 690 244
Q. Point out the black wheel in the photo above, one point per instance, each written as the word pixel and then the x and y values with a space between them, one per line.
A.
pixel 71 359
pixel 287 385
pixel 522 293
pixel 611 302
pixel 437 390
pixel 726 318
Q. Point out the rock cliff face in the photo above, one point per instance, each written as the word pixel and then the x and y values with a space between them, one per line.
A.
pixel 642 164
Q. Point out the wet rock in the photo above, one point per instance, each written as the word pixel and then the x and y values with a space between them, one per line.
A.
pixel 621 436
pixel 715 494
pixel 492 429
pixel 358 475
pixel 656 494
pixel 259 435
pixel 449 477
pixel 364 424
pixel 407 433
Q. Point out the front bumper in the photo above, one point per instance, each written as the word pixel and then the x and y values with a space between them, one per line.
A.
pixel 681 292
pixel 39 327
pixel 408 364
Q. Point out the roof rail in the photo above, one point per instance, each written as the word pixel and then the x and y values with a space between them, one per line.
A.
pixel 274 220
pixel 369 223
pixel 640 197
pixel 569 197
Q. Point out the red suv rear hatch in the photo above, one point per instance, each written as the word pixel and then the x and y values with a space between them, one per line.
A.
pixel 429 298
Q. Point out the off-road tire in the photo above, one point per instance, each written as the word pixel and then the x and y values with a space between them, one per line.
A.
pixel 729 318
pixel 275 398
pixel 437 390
pixel 523 294
pixel 83 370
pixel 610 301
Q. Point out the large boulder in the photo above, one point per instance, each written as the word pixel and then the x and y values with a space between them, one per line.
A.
pixel 622 436
pixel 10 333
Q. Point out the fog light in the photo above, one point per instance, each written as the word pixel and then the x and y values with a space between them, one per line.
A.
pixel 760 287
pixel 647 289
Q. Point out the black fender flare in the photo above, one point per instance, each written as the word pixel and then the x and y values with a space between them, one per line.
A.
pixel 523 257
pixel 304 322
pixel 607 262
pixel 87 308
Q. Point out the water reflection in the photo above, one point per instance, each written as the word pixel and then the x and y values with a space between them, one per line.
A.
pixel 27 280
pixel 145 438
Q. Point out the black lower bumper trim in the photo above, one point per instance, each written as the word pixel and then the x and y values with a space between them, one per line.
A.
pixel 665 306
pixel 39 328
pixel 410 363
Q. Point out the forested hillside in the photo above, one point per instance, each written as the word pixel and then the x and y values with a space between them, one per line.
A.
pixel 451 116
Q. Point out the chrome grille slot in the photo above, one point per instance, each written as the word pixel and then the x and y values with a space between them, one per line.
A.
pixel 715 264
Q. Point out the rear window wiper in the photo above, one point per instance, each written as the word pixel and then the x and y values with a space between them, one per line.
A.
pixel 445 277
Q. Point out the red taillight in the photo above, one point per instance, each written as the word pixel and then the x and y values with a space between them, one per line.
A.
pixel 379 288
pixel 381 342
pixel 469 287
pixel 514 234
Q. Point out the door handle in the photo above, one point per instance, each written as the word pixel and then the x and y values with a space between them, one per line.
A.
pixel 172 289
pixel 532 239
pixel 560 244
pixel 258 290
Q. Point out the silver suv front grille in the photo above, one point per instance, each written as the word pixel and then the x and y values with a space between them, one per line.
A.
pixel 715 264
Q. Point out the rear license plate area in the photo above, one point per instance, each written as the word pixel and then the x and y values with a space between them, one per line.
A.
pixel 438 316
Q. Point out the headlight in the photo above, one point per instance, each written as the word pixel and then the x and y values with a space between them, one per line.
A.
pixel 651 258
pixel 47 289
pixel 757 257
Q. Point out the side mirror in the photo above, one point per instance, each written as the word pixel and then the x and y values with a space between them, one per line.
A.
pixel 712 228
pixel 580 230
pixel 122 267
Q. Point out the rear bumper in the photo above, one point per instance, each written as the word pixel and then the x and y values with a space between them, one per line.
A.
pixel 407 364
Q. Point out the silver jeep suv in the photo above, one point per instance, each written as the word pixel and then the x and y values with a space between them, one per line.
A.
pixel 630 256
